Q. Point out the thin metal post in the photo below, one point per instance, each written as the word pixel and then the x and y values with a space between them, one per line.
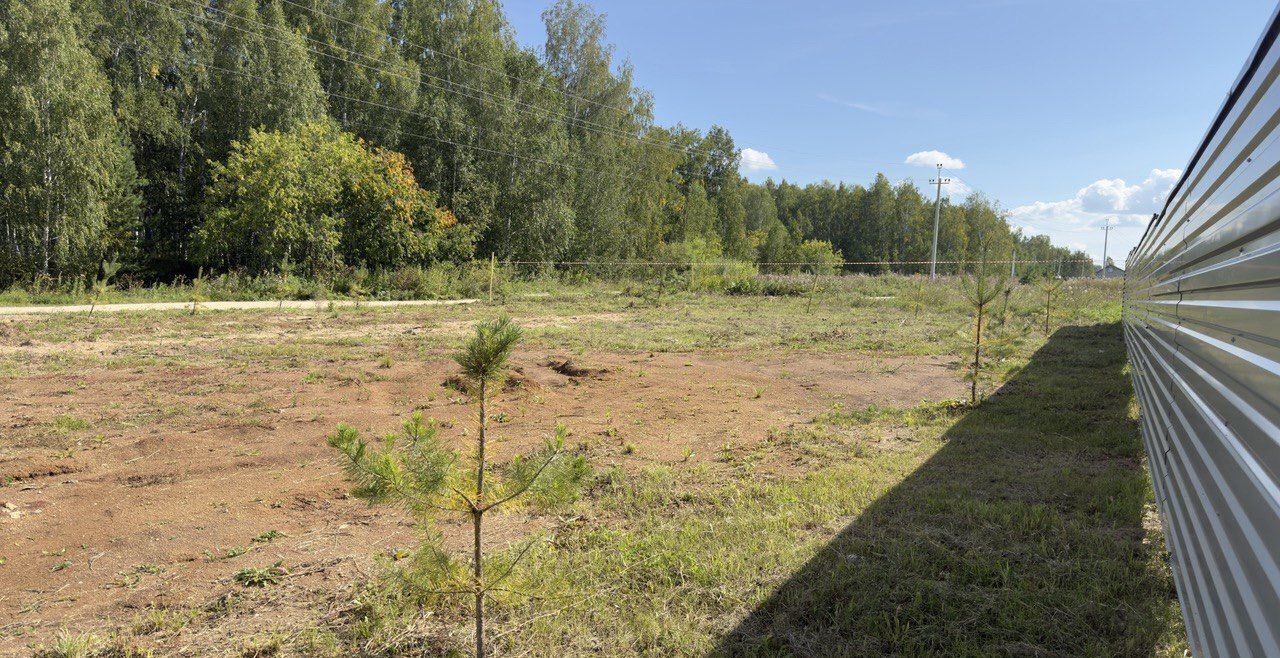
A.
pixel 1106 237
pixel 937 213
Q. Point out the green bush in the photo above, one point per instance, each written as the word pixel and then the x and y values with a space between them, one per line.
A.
pixel 818 256
pixel 720 276
pixel 321 200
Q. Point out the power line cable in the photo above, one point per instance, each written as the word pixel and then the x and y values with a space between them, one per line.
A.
pixel 621 133
pixel 420 115
pixel 428 49
pixel 543 84
pixel 486 96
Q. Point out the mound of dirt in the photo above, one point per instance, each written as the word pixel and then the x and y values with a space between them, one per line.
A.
pixel 16 470
pixel 516 381
pixel 569 368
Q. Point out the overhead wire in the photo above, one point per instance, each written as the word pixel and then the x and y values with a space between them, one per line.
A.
pixel 462 60
pixel 483 96
pixel 450 86
pixel 619 132
pixel 487 96
pixel 420 115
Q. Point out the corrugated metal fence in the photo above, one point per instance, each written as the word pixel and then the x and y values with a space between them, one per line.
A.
pixel 1202 322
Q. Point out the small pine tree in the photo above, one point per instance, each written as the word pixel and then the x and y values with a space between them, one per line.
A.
pixel 197 291
pixel 980 289
pixel 1049 286
pixel 1004 308
pixel 102 283
pixel 918 295
pixel 417 471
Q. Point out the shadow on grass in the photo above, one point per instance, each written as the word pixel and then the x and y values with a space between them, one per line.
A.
pixel 1026 534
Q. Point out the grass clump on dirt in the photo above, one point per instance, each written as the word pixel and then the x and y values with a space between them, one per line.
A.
pixel 1018 525
pixel 923 526
pixel 261 576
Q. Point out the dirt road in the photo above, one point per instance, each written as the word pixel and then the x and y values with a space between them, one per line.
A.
pixel 224 306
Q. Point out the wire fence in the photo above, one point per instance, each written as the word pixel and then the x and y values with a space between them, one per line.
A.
pixel 1017 268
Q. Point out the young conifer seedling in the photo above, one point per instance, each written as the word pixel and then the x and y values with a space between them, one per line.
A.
pixel 1049 286
pixel 102 284
pixel 197 291
pixel 980 288
pixel 416 470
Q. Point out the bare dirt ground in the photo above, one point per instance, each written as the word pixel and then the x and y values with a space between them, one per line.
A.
pixel 136 487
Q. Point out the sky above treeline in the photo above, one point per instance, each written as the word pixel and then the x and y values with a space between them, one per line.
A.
pixel 1068 113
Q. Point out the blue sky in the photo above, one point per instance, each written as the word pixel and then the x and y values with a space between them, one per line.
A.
pixel 1067 113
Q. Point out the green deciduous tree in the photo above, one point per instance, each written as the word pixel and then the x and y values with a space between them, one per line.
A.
pixel 372 85
pixel 318 198
pixel 818 256
pixel 262 76
pixel 67 180
pixel 153 55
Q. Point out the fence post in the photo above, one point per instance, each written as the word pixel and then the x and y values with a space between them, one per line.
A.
pixel 493 267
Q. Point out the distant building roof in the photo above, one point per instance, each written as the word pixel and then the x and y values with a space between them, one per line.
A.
pixel 1113 272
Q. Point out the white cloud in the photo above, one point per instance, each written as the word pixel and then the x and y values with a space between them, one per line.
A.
pixel 753 160
pixel 1113 195
pixel 933 159
pixel 1079 220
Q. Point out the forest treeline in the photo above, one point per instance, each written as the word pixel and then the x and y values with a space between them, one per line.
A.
pixel 306 136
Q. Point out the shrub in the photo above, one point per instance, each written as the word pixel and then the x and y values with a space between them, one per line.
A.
pixel 721 276
pixel 320 199
pixel 818 256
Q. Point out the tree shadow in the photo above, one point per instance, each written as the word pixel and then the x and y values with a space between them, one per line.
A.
pixel 1027 533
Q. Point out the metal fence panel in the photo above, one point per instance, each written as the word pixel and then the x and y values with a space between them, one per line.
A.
pixel 1202 324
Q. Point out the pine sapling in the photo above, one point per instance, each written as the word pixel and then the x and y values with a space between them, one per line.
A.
pixel 484 362
pixel 417 471
pixel 493 274
pixel 1049 286
pixel 197 291
pixel 813 289
pixel 359 288
pixel 662 283
pixel 917 295
pixel 980 289
pixel 1004 309
pixel 102 284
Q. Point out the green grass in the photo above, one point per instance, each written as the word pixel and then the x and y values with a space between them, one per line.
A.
pixel 858 313
pixel 1021 526
pixel 260 576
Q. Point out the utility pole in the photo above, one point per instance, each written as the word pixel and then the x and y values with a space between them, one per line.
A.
pixel 1106 238
pixel 937 212
pixel 1013 266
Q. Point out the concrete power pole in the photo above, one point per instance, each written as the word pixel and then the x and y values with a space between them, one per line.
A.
pixel 937 212
pixel 1106 238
